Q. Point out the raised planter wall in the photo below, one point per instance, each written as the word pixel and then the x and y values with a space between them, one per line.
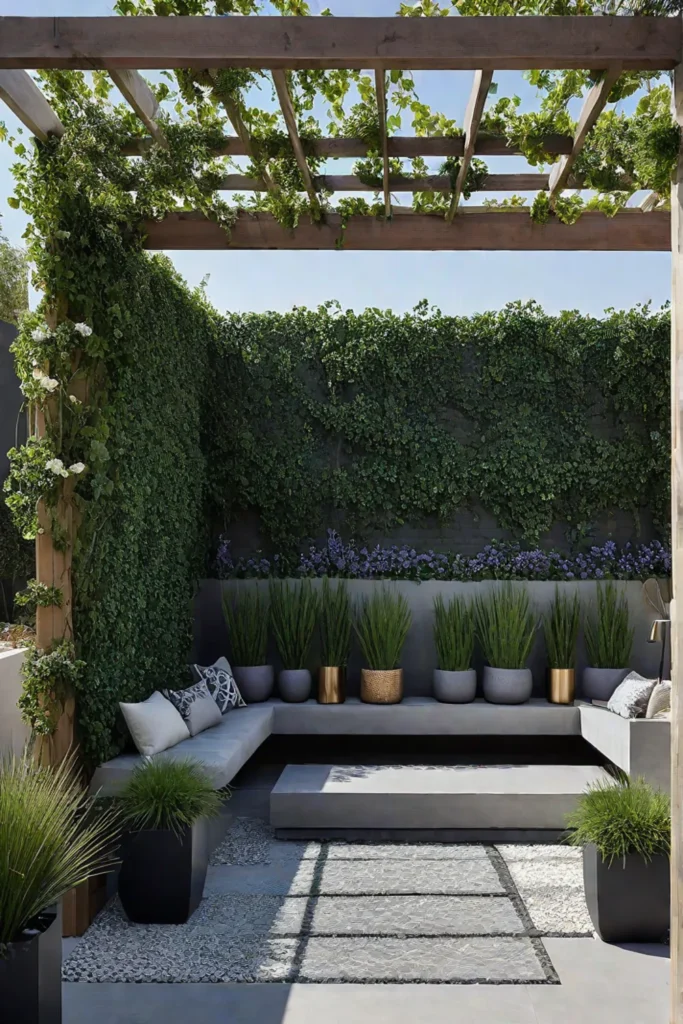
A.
pixel 419 660
pixel 14 733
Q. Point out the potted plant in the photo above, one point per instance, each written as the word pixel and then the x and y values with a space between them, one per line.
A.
pixel 382 627
pixel 455 681
pixel 561 628
pixel 50 841
pixel 335 642
pixel 293 613
pixel 506 628
pixel 247 622
pixel 609 641
pixel 625 830
pixel 166 805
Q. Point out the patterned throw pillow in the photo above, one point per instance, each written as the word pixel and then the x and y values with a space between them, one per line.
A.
pixel 199 670
pixel 223 689
pixel 196 706
pixel 630 699
pixel 659 704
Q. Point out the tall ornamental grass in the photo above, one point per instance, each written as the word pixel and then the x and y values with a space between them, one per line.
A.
pixel 336 621
pixel 293 615
pixel 561 628
pixel 171 795
pixel 51 839
pixel 453 633
pixel 247 622
pixel 622 818
pixel 505 626
pixel 382 625
pixel 609 638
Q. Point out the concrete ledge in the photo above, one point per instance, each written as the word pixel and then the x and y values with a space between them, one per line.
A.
pixel 14 733
pixel 639 746
pixel 425 716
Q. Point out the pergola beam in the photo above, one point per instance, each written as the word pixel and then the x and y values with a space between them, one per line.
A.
pixel 593 106
pixel 234 115
pixel 467 44
pixel 398 183
pixel 26 101
pixel 140 97
pixel 287 108
pixel 398 145
pixel 381 93
pixel 475 228
pixel 473 116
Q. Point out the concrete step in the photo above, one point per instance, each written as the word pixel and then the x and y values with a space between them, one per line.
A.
pixel 457 801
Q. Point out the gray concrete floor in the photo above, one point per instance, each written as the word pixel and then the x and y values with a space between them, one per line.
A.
pixel 600 984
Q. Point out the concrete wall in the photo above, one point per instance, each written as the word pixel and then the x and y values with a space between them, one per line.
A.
pixel 211 640
pixel 14 734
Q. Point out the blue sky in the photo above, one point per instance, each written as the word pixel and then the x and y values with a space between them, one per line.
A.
pixel 457 282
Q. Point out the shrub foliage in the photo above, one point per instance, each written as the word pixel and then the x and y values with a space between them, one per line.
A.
pixel 623 818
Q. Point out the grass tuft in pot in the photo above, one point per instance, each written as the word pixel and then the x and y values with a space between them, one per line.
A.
pixel 247 621
pixel 628 817
pixel 335 624
pixel 609 639
pixel 51 840
pixel 453 633
pixel 382 626
pixel 293 613
pixel 561 628
pixel 168 796
pixel 505 627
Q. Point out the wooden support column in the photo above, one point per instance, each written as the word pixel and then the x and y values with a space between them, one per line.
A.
pixel 676 611
pixel 380 89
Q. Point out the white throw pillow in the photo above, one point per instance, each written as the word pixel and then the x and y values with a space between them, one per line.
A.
pixel 630 699
pixel 155 725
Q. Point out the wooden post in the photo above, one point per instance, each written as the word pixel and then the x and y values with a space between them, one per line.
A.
pixel 677 570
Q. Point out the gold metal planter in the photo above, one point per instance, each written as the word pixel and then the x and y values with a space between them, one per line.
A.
pixel 561 686
pixel 331 685
pixel 381 687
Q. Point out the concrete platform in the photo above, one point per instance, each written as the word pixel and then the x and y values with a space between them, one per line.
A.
pixel 328 800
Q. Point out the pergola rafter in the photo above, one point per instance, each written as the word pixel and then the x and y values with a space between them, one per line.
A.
pixel 138 94
pixel 287 108
pixel 26 101
pixel 473 115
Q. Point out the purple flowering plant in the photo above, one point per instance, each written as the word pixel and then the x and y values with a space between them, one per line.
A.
pixel 497 561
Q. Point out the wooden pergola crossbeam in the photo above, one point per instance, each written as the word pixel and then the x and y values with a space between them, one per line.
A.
pixel 140 97
pixel 593 106
pixel 474 229
pixel 464 44
pixel 234 115
pixel 473 116
pixel 381 94
pixel 397 145
pixel 287 108
pixel 522 182
pixel 26 101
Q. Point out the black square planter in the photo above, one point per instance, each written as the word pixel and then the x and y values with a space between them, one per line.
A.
pixel 162 875
pixel 31 974
pixel 628 900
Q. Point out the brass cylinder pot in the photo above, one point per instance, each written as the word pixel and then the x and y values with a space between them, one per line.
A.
pixel 381 687
pixel 331 685
pixel 561 686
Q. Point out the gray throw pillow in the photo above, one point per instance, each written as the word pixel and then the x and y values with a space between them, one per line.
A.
pixel 630 699
pixel 155 725
pixel 196 706
pixel 659 704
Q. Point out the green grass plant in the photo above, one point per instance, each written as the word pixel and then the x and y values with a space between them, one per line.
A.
pixel 50 839
pixel 163 794
pixel 293 615
pixel 505 626
pixel 609 639
pixel 335 625
pixel 622 818
pixel 561 628
pixel 382 625
pixel 247 621
pixel 453 633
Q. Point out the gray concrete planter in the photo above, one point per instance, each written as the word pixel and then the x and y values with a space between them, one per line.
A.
pixel 294 684
pixel 255 682
pixel 507 685
pixel 600 683
pixel 455 687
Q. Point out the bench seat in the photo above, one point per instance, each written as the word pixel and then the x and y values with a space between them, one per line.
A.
pixel 639 746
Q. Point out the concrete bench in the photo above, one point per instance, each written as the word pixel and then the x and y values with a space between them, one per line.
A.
pixel 639 746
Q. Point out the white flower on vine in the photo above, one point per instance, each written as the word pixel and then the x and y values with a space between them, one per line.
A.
pixel 83 330
pixel 56 466
pixel 49 383
pixel 41 333
pixel 77 467
pixel 37 372
pixel 74 400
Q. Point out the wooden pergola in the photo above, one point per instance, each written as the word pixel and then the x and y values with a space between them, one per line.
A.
pixel 608 45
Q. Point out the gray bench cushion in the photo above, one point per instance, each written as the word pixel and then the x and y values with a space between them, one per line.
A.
pixel 222 750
